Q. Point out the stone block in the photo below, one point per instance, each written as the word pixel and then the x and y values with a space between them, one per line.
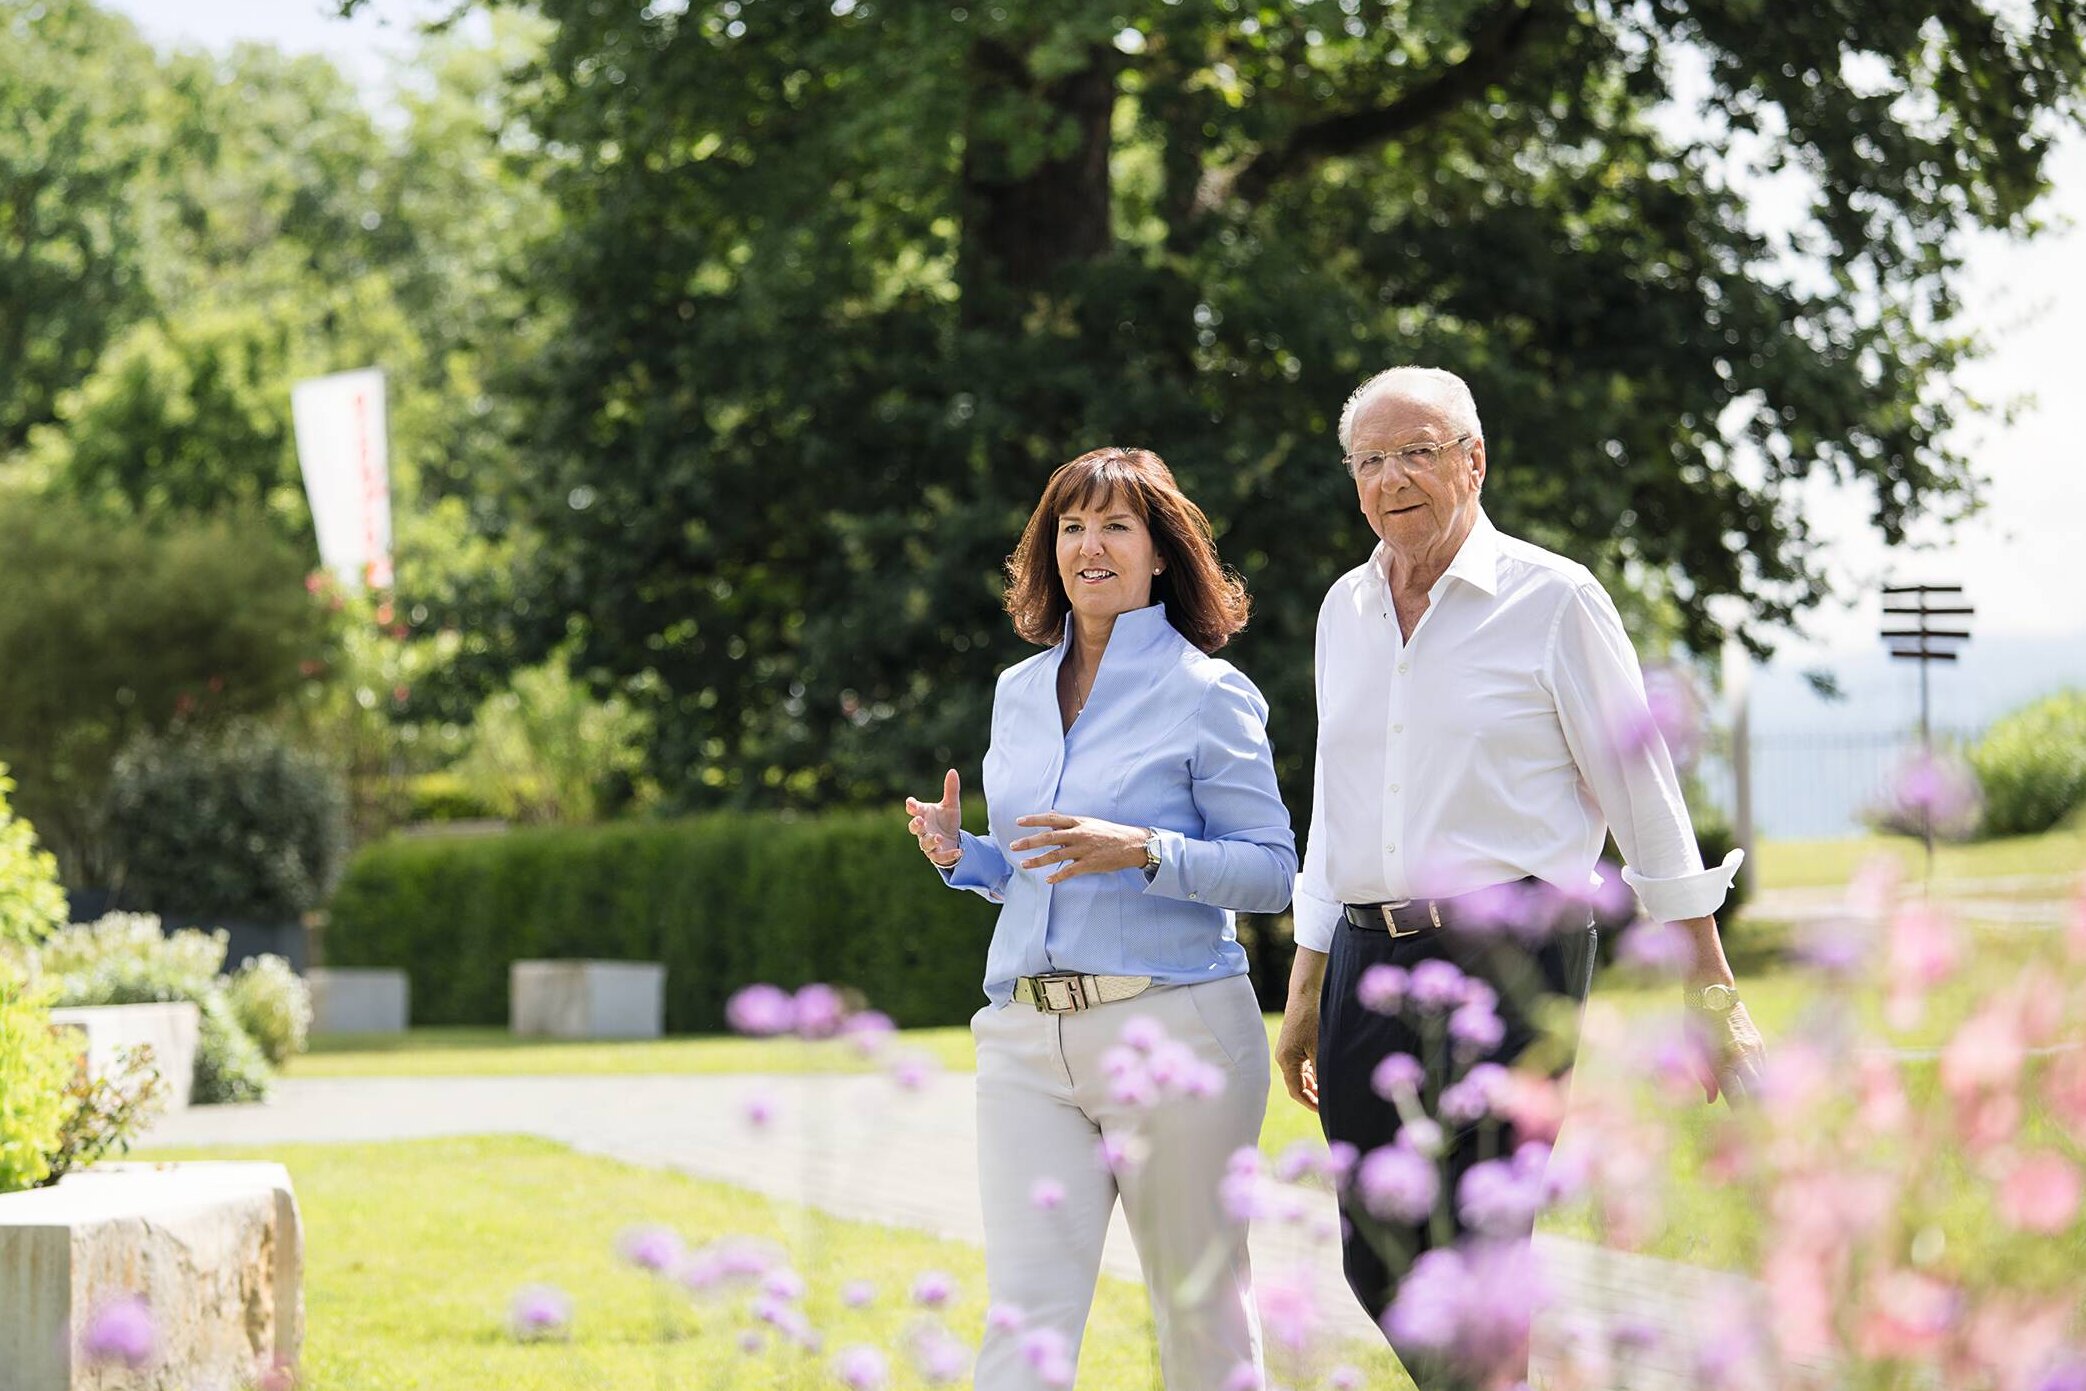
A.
pixel 586 999
pixel 358 1001
pixel 169 1028
pixel 215 1250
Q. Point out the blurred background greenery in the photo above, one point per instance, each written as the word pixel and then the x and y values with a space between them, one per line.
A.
pixel 729 344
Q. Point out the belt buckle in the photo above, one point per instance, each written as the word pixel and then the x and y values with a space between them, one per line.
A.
pixel 1390 923
pixel 1061 994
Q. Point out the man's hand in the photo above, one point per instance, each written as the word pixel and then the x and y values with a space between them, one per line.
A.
pixel 938 826
pixel 1731 1058
pixel 1080 845
pixel 1296 1046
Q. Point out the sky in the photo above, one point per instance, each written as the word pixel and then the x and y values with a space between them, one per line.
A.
pixel 2022 561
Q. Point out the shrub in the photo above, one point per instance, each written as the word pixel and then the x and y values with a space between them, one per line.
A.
pixel 112 629
pixel 124 959
pixel 34 1065
pixel 272 1005
pixel 31 903
pixel 233 822
pixel 546 752
pixel 2032 765
pixel 104 1114
pixel 722 900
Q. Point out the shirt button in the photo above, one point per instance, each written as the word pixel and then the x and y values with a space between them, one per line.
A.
pixel 1394 787
pixel 1397 729
pixel 1390 850
pixel 1402 666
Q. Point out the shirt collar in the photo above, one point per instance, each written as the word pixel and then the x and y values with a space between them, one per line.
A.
pixel 1476 562
pixel 1136 635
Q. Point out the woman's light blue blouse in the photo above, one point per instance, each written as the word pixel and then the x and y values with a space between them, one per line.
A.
pixel 1170 738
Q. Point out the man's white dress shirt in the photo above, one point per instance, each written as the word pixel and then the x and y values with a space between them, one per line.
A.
pixel 1502 740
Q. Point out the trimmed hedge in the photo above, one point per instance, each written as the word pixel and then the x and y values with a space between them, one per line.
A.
pixel 722 900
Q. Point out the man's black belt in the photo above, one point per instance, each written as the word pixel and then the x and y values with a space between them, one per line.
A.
pixel 1409 917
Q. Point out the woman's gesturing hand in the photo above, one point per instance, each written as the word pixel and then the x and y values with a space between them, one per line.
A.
pixel 938 826
pixel 1081 844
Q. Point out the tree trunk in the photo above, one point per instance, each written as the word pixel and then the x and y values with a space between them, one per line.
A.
pixel 1035 175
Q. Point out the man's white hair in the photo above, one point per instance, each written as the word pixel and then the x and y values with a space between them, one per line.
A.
pixel 1436 384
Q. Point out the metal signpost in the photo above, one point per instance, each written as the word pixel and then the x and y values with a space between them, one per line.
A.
pixel 1910 611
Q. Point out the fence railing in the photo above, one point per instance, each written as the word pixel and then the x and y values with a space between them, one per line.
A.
pixel 1815 785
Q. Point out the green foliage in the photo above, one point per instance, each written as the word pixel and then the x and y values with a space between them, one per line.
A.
pixel 34 1064
pixel 112 630
pixel 233 822
pixel 230 1066
pixel 31 903
pixel 105 1114
pixel 842 283
pixel 721 901
pixel 124 959
pixel 273 1005
pixel 544 751
pixel 2031 765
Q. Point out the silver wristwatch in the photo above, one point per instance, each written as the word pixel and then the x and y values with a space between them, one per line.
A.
pixel 1713 999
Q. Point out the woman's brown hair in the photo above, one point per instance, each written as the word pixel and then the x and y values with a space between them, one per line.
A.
pixel 1205 602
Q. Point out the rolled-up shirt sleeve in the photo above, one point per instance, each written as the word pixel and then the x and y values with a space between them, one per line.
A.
pixel 1623 759
pixel 982 869
pixel 1245 858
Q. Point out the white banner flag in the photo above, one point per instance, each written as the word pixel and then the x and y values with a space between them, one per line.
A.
pixel 347 473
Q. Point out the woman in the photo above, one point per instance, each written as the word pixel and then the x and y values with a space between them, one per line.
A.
pixel 1131 801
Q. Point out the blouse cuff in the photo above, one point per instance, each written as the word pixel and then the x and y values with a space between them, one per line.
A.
pixel 1696 895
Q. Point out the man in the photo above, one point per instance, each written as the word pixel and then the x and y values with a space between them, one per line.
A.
pixel 1482 723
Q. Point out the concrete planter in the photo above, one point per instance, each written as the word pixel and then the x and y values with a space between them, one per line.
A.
pixel 169 1028
pixel 586 999
pixel 358 1001
pixel 216 1251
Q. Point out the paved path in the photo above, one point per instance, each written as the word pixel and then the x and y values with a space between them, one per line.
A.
pixel 2025 901
pixel 861 1148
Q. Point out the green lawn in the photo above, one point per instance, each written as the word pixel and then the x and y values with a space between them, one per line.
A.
pixel 1790 864
pixel 414 1249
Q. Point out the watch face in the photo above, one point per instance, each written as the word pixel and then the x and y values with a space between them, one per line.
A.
pixel 1718 999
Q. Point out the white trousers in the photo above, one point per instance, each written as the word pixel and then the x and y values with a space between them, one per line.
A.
pixel 1045 1103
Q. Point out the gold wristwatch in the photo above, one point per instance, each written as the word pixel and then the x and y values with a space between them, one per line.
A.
pixel 1151 853
pixel 1713 999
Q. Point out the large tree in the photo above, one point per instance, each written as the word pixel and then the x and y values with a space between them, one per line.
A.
pixel 846 278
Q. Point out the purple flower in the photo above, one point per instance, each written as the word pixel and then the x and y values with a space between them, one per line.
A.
pixel 650 1248
pixel 1500 1197
pixel 1472 1304
pixel 759 1110
pixel 1833 946
pixel 539 1311
pixel 1143 1033
pixel 1435 987
pixel 1203 1081
pixel 862 1368
pixel 1497 909
pixel 819 1011
pixel 1121 1060
pixel 1048 1355
pixel 1118 1154
pixel 1301 1157
pixel 1421 1136
pixel 1398 1072
pixel 1244 1377
pixel 2068 1375
pixel 1381 988
pixel 1046 1195
pixel 939 1357
pixel 1344 1378
pixel 761 1010
pixel 1476 1031
pixel 933 1289
pixel 751 1342
pixel 1244 1196
pixel 867 1031
pixel 1398 1184
pixel 1940 791
pixel 1288 1311
pixel 1339 1162
pixel 1170 1061
pixel 857 1294
pixel 784 1284
pixel 120 1331
pixel 1005 1318
pixel 1134 1089
pixel 912 1071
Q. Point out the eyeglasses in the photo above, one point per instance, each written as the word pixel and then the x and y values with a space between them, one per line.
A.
pixel 1413 458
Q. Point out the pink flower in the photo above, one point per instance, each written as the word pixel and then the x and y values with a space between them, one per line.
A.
pixel 819 1011
pixel 862 1369
pixel 1288 1311
pixel 867 1031
pixel 2064 1089
pixel 1381 988
pixel 1985 1054
pixel 760 1110
pixel 120 1331
pixel 1472 1304
pixel 1909 1315
pixel 1005 1318
pixel 2040 1193
pixel 1118 1154
pixel 1244 1377
pixel 1533 1105
pixel 858 1294
pixel 1046 1195
pixel 1398 1184
pixel 912 1071
pixel 1142 1032
pixel 650 1248
pixel 933 1289
pixel 1397 1073
pixel 1048 1355
pixel 940 1358
pixel 540 1311
pixel 1661 950
pixel 761 1010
